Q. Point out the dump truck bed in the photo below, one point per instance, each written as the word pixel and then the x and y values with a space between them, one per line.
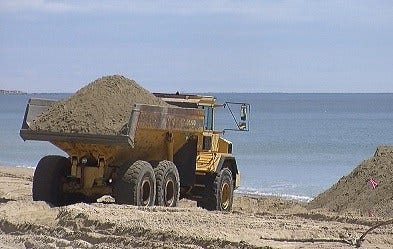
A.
pixel 146 131
pixel 36 107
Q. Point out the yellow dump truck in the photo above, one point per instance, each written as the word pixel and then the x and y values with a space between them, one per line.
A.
pixel 162 154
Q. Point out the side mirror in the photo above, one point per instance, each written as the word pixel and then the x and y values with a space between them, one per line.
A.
pixel 243 112
pixel 243 117
pixel 242 124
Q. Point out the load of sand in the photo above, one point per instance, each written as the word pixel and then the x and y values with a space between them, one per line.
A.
pixel 102 107
pixel 367 190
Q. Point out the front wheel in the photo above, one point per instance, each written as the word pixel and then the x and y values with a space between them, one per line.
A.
pixel 219 195
pixel 136 185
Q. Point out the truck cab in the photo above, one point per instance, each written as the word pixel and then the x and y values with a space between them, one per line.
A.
pixel 215 161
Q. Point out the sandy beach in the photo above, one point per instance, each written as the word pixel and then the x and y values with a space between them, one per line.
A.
pixel 256 222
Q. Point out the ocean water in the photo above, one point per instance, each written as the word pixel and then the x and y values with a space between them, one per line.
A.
pixel 13 150
pixel 298 144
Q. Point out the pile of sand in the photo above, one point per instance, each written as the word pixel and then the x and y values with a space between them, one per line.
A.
pixel 102 107
pixel 355 193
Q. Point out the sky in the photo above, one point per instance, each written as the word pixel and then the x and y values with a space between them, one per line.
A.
pixel 198 46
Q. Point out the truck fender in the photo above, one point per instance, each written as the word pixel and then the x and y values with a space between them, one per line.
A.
pixel 228 162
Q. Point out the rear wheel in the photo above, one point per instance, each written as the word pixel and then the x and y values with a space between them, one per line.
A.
pixel 219 196
pixel 168 184
pixel 49 177
pixel 136 185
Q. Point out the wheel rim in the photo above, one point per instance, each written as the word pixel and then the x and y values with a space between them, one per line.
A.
pixel 169 192
pixel 225 195
pixel 145 192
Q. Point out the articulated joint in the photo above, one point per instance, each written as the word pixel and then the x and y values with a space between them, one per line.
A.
pixel 89 170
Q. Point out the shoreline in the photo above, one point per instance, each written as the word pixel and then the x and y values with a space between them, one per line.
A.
pixel 12 92
pixel 299 198
pixel 29 171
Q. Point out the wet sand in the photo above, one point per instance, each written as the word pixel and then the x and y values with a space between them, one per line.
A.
pixel 256 222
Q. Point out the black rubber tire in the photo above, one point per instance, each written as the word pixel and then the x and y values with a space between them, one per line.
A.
pixel 219 196
pixel 49 176
pixel 136 185
pixel 168 184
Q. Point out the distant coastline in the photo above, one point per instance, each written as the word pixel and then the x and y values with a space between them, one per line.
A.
pixel 11 92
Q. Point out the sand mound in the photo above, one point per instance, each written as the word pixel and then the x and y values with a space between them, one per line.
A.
pixel 355 193
pixel 102 107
